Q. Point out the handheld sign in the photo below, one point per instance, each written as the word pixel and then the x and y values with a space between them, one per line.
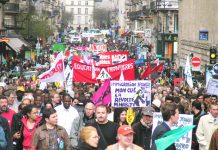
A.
pixel 130 116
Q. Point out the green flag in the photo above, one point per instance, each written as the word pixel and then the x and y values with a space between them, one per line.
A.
pixel 171 136
pixel 58 47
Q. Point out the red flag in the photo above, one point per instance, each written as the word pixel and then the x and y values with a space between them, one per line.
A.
pixel 158 68
pixel 147 72
pixel 103 95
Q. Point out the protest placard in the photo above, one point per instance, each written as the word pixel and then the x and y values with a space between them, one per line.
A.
pixel 131 93
pixel 184 143
pixel 212 87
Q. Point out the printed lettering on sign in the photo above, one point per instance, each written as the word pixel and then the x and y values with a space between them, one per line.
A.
pixel 184 143
pixel 131 93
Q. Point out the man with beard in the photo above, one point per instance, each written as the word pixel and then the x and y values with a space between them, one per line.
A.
pixel 6 112
pixel 143 128
pixel 106 129
pixel 67 114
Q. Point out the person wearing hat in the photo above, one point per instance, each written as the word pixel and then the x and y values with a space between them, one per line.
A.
pixel 143 128
pixel 125 139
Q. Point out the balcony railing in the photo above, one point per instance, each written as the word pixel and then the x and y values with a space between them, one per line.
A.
pixel 11 26
pixel 164 5
pixel 11 8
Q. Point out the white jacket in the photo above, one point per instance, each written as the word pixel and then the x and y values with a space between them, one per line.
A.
pixel 206 126
pixel 66 117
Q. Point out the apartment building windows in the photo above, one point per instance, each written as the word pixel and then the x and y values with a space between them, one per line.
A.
pixel 72 10
pixel 176 23
pixel 79 11
pixel 86 3
pixel 79 20
pixel 86 20
pixel 86 11
pixel 72 3
pixel 79 2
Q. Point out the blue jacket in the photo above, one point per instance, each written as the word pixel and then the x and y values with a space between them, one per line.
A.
pixel 158 132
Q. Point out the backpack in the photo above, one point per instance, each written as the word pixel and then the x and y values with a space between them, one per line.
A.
pixel 3 141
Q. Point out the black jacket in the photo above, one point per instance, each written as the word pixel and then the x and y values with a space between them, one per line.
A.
pixel 158 132
pixel 142 136
pixel 16 127
pixel 85 146
pixel 5 126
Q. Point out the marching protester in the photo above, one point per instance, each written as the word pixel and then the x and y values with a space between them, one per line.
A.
pixel 16 128
pixel 206 127
pixel 125 139
pixel 30 122
pixel 6 112
pixel 50 135
pixel 143 128
pixel 106 129
pixel 170 115
pixel 89 137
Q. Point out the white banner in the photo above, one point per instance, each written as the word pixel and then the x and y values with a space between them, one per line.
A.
pixel 184 143
pixel 56 72
pixel 212 87
pixel 131 93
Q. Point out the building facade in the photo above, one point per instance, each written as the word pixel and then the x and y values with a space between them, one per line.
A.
pixel 158 21
pixel 82 11
pixel 198 20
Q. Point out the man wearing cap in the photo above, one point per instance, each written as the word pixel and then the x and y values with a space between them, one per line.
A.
pixel 125 139
pixel 143 128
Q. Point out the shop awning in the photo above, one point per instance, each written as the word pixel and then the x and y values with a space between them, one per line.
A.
pixel 16 44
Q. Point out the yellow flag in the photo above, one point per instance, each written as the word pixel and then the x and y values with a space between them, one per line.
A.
pixel 34 77
pixel 162 81
pixel 130 116
pixel 57 84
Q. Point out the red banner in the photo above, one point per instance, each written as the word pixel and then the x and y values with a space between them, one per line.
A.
pixel 111 58
pixel 84 73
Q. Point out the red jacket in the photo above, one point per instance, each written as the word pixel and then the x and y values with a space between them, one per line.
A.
pixel 8 115
pixel 27 134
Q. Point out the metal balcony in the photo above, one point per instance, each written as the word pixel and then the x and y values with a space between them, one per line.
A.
pixel 11 8
pixel 164 5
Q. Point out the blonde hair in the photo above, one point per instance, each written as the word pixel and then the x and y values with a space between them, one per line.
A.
pixel 86 133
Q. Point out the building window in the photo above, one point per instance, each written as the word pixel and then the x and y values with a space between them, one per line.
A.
pixel 72 3
pixel 79 10
pixel 79 20
pixel 86 20
pixel 79 2
pixel 72 10
pixel 176 23
pixel 167 23
pixel 86 11
pixel 86 3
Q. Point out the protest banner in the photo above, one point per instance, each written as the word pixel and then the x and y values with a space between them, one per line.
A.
pixel 184 143
pixel 111 58
pixel 83 72
pixel 212 87
pixel 56 72
pixel 131 93
pixel 97 48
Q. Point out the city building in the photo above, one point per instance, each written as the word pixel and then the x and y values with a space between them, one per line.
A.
pixel 155 23
pixel 82 11
pixel 197 30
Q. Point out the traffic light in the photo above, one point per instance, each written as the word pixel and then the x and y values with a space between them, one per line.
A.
pixel 212 56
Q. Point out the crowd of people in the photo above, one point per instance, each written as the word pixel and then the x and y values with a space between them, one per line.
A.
pixel 52 119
